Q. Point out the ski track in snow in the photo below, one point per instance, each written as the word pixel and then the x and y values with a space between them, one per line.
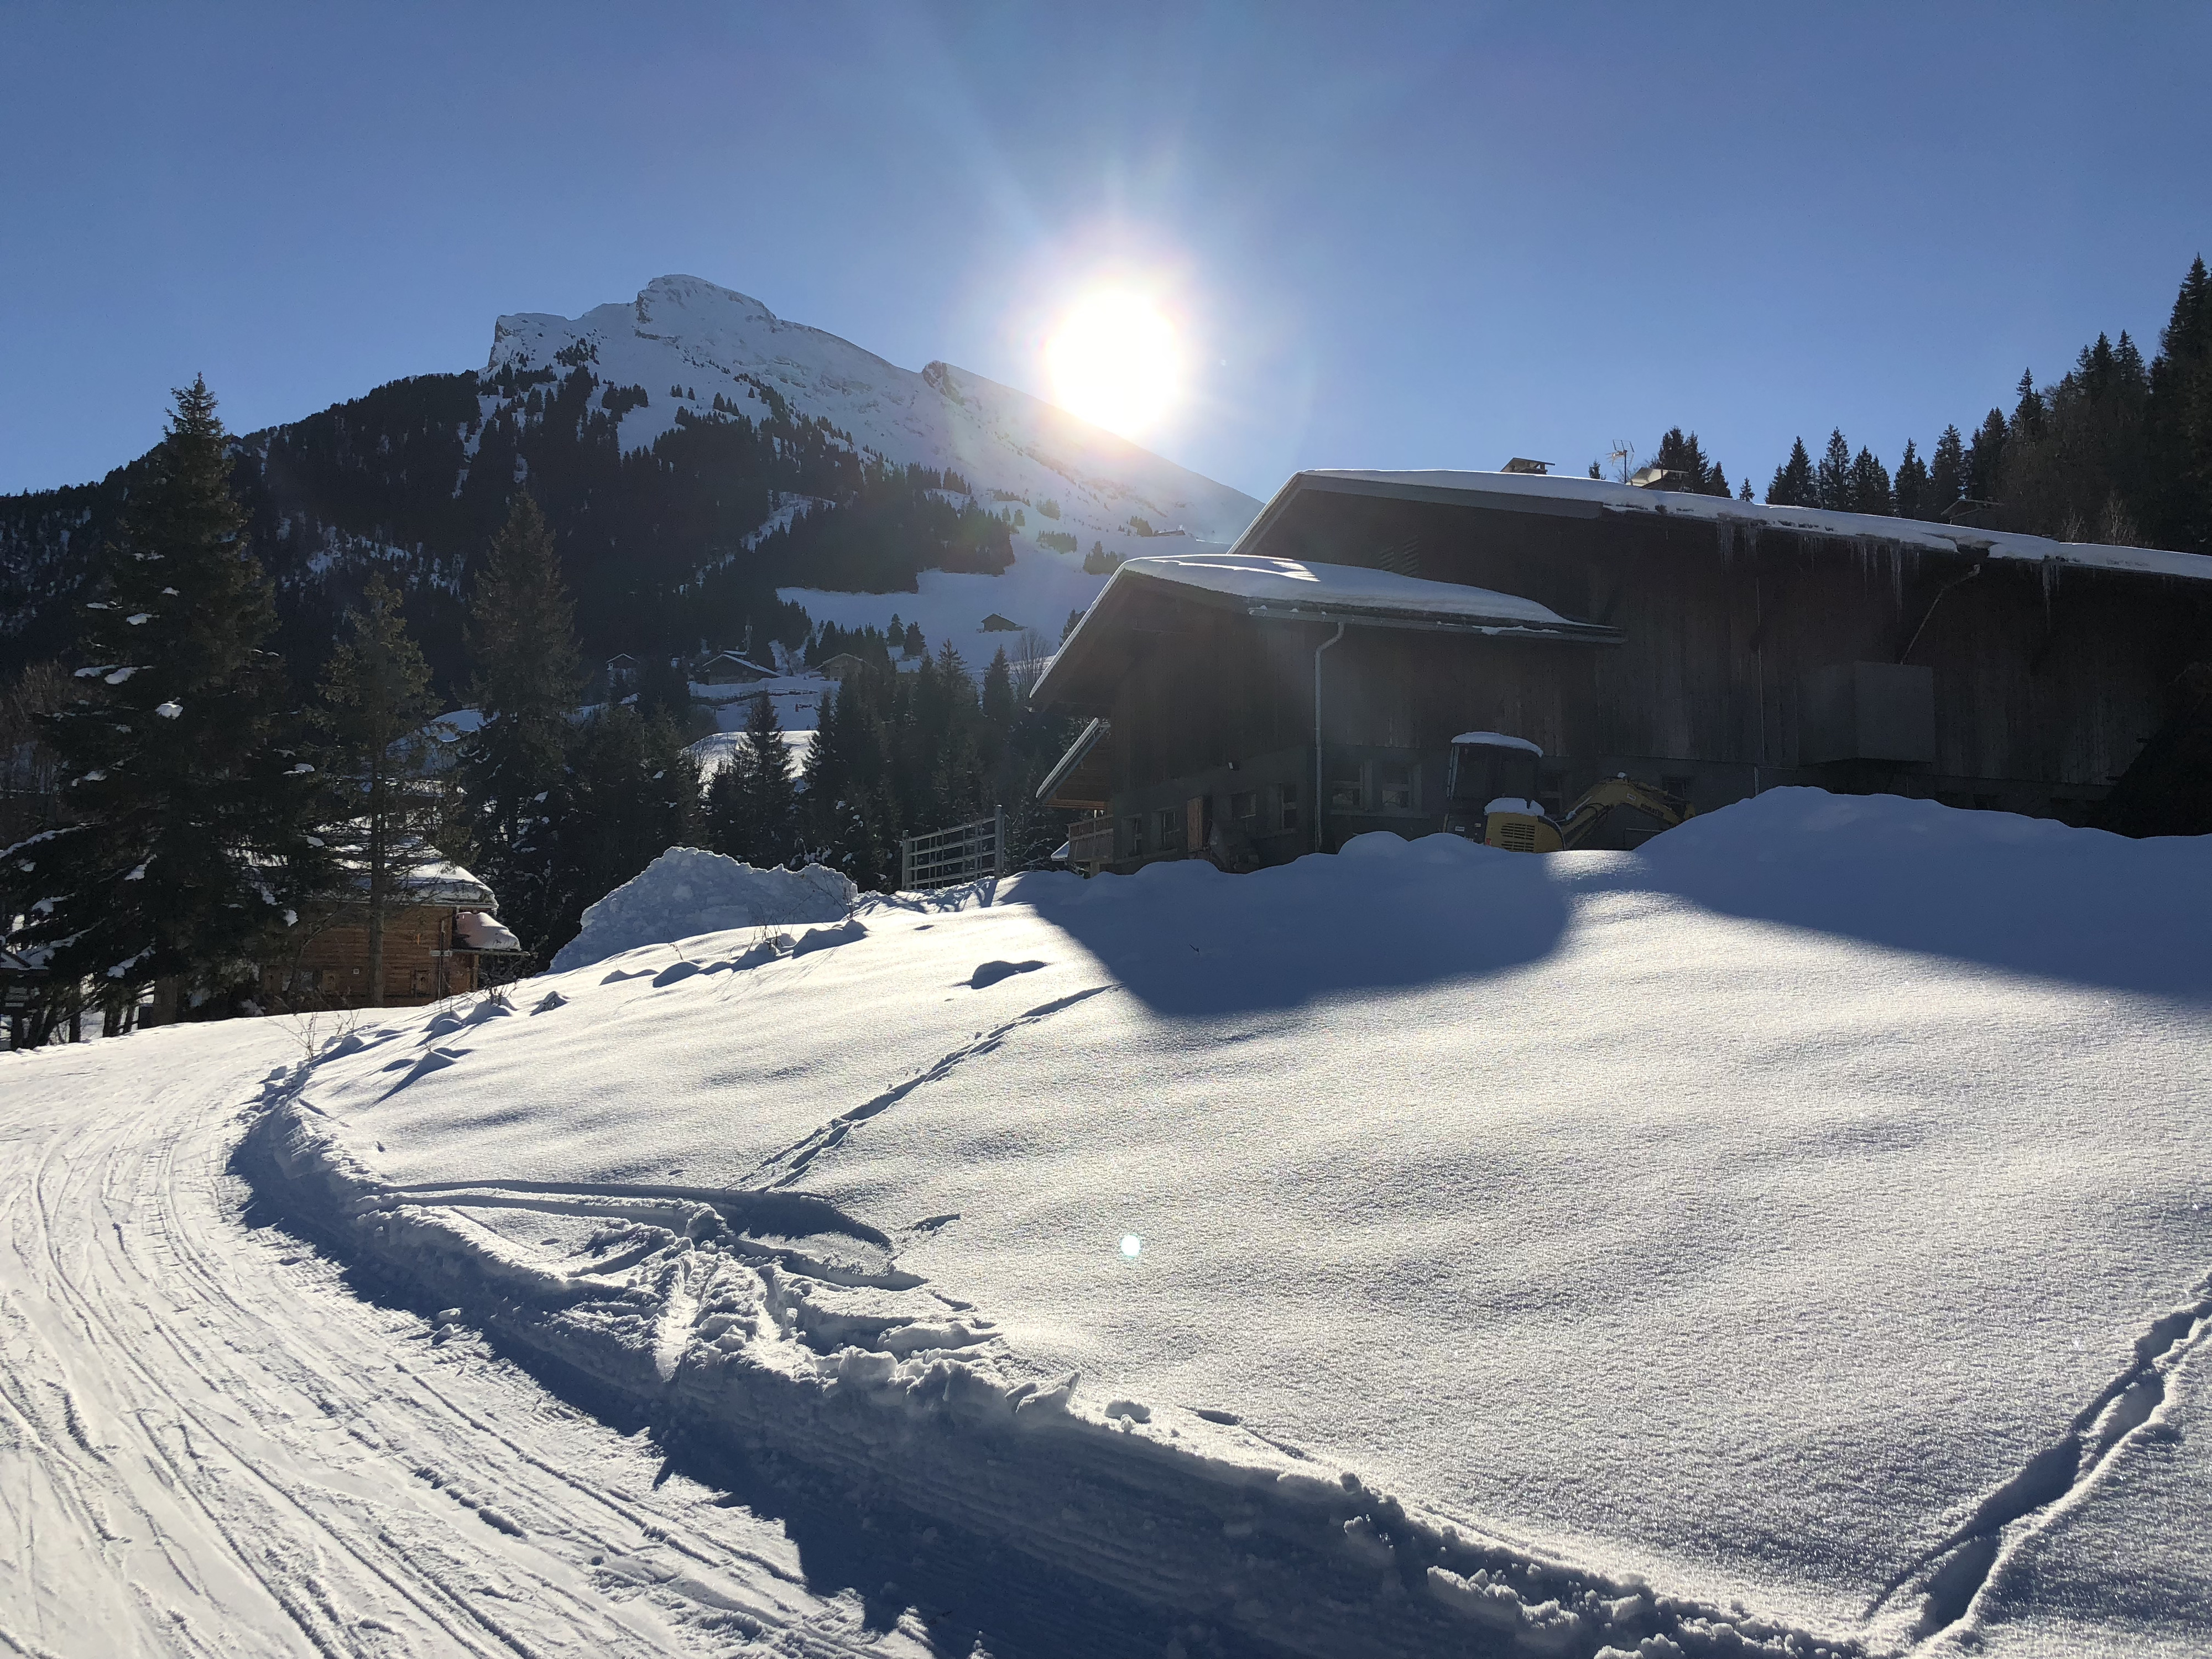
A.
pixel 209 1446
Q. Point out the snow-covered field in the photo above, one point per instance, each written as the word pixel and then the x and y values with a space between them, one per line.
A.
pixel 1791 1236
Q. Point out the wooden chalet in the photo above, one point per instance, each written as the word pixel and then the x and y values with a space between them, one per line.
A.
pixel 728 668
pixel 1305 686
pixel 438 941
pixel 840 667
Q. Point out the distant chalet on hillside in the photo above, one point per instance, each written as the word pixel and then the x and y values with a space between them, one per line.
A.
pixel 1713 648
pixel 728 668
pixel 840 667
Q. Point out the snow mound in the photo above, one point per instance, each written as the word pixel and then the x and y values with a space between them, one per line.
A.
pixel 687 891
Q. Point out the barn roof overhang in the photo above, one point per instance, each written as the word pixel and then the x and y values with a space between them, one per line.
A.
pixel 1142 593
pixel 1553 495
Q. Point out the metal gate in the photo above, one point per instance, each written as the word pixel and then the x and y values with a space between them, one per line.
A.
pixel 964 852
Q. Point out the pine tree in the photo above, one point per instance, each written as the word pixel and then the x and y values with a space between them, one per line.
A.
pixel 376 696
pixel 999 701
pixel 188 844
pixel 628 793
pixel 1680 453
pixel 768 780
pixel 522 641
pixel 2179 420
pixel 1948 475
pixel 1985 457
pixel 1744 494
pixel 1869 484
pixel 1911 483
pixel 1831 479
pixel 1793 484
pixel 729 825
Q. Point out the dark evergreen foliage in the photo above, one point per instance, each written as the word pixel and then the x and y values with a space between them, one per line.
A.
pixel 627 792
pixel 1793 484
pixel 384 814
pixel 903 754
pixel 1679 452
pixel 188 806
pixel 522 641
pixel 752 801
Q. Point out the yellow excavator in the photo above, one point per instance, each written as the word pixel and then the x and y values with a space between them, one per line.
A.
pixel 1490 796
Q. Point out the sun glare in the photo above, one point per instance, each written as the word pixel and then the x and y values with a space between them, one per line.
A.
pixel 1115 361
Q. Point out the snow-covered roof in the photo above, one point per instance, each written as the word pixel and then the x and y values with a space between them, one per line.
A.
pixel 1498 740
pixel 1295 588
pixel 1592 497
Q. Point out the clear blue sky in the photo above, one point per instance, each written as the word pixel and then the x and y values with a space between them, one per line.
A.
pixel 1399 236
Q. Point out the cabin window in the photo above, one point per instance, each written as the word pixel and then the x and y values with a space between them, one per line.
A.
pixel 1135 826
pixel 1169 826
pixel 1347 792
pixel 1394 787
pixel 1677 784
pixel 1286 807
pixel 419 982
pixel 1245 806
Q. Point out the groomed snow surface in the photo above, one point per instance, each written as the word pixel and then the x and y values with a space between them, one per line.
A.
pixel 1791 1236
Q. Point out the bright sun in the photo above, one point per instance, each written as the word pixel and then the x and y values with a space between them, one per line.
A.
pixel 1114 362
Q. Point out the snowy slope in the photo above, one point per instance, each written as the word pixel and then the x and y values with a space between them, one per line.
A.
pixel 1797 1215
pixel 214 1448
pixel 684 332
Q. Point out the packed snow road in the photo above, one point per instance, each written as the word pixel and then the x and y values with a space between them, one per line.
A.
pixel 209 1445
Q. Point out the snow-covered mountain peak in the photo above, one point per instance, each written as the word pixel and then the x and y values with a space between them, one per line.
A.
pixel 685 340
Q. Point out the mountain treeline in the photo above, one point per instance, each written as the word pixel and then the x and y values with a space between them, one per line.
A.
pixel 2116 451
pixel 665 548
pixel 184 817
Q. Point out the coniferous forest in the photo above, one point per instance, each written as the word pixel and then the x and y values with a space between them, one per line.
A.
pixel 215 658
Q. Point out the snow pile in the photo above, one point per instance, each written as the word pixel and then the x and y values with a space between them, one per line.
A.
pixel 687 891
pixel 1791 1235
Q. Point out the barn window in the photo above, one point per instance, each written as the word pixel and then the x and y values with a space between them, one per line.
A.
pixel 419 982
pixel 1136 828
pixel 1286 807
pixel 1244 805
pixel 1348 793
pixel 1170 827
pixel 1394 787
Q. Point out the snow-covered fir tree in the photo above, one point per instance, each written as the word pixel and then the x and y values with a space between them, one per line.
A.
pixel 187 850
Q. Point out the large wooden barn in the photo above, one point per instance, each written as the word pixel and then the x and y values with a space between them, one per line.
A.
pixel 1305 686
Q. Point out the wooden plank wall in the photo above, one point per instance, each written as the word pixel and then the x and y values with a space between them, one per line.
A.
pixel 2046 673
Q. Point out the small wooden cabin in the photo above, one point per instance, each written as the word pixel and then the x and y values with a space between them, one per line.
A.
pixel 840 667
pixel 1305 686
pixel 437 942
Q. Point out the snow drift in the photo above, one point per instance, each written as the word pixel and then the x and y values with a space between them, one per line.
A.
pixel 687 890
pixel 1765 1241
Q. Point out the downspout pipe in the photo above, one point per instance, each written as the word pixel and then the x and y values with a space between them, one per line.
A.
pixel 1317 799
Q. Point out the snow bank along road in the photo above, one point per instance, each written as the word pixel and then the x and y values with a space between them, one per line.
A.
pixel 210 1446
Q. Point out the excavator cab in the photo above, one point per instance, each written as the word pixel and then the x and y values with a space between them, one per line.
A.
pixel 1490 793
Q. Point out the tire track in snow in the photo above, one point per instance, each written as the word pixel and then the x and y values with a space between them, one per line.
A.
pixel 1951 1576
pixel 782 1168
pixel 209 1446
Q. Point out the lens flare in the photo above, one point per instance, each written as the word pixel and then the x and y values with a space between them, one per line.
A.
pixel 1115 360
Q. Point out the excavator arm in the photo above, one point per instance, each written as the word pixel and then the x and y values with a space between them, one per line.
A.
pixel 1601 800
